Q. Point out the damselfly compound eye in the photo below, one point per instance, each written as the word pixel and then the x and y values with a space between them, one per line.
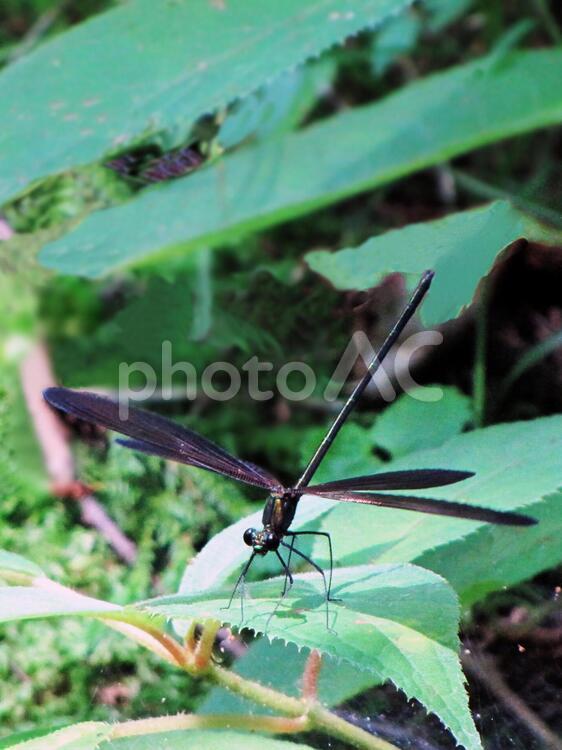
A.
pixel 249 537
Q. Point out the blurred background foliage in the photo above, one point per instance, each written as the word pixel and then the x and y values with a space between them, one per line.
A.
pixel 257 297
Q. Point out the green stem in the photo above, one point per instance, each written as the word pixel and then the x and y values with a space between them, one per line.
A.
pixel 316 717
pixel 204 648
pixel 269 724
pixel 255 692
pixel 312 714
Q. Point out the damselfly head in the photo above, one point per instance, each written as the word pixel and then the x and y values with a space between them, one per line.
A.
pixel 262 542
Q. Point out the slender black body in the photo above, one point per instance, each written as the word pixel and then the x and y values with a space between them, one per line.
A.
pixel 156 435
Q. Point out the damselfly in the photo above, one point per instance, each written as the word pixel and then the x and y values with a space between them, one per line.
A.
pixel 155 435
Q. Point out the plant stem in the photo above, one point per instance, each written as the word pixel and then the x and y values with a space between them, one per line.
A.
pixel 312 714
pixel 269 724
pixel 255 692
pixel 204 648
pixel 310 676
pixel 305 714
pixel 317 718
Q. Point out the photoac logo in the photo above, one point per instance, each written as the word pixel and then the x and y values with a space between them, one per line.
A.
pixel 222 381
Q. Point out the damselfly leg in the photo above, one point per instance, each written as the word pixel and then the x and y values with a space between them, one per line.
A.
pixel 288 577
pixel 311 562
pixel 286 587
pixel 325 534
pixel 240 583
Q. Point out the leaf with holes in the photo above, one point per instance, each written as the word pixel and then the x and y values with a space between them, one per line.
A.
pixel 155 68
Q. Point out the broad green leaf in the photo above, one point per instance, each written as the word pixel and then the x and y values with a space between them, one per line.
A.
pixel 155 68
pixel 411 424
pixel 11 740
pixel 202 740
pixel 398 622
pixel 25 602
pixel 52 600
pixel 496 557
pixel 460 248
pixel 18 565
pixel 86 736
pixel 278 179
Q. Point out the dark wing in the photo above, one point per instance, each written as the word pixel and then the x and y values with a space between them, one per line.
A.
pixel 411 479
pixel 154 434
pixel 427 505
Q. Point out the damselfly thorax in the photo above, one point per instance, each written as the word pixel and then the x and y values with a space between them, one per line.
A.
pixel 278 514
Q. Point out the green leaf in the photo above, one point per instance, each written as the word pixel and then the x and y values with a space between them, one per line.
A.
pixel 25 602
pixel 278 179
pixel 411 424
pixel 112 79
pixel 461 248
pixel 398 622
pixel 18 565
pixel 86 736
pixel 496 557
pixel 203 740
